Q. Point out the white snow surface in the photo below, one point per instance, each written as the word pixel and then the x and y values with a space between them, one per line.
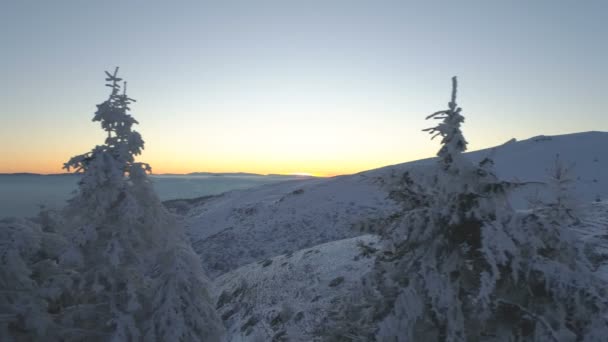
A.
pixel 286 298
pixel 245 226
pixel 594 231
pixel 241 227
pixel 273 251
pixel 531 160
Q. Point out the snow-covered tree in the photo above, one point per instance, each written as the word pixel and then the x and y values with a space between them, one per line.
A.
pixel 23 313
pixel 31 281
pixel 120 236
pixel 465 266
pixel 562 206
pixel 181 309
pixel 453 142
pixel 104 168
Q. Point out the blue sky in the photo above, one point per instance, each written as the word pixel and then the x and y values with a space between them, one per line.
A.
pixel 322 87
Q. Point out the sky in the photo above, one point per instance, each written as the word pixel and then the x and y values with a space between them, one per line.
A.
pixel 317 87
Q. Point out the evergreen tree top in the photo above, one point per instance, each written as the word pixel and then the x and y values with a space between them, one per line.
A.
pixel 122 142
pixel 453 141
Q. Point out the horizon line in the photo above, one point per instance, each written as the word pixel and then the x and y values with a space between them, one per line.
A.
pixel 194 173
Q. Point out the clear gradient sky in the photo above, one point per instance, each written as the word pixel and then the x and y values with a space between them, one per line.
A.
pixel 321 87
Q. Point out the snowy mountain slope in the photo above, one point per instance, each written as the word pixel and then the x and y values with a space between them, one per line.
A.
pixel 246 226
pixel 286 298
pixel 594 231
pixel 241 227
pixel 532 160
pixel 274 251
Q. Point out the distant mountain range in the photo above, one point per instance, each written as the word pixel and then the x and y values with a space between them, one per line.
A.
pixel 229 174
pixel 234 174
pixel 35 174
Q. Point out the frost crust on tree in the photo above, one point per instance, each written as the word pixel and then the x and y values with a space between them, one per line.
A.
pixel 464 266
pixel 114 265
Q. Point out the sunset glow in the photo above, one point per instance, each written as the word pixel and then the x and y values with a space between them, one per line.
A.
pixel 287 88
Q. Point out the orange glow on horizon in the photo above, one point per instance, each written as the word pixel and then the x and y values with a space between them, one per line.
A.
pixel 55 167
pixel 52 165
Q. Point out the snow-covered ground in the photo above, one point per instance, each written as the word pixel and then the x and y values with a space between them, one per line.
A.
pixel 279 254
pixel 532 160
pixel 241 227
pixel 287 298
pixel 245 226
pixel 594 231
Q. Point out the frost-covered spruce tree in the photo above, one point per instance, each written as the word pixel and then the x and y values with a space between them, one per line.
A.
pixel 128 252
pixel 31 280
pixel 466 267
pixel 453 142
pixel 445 268
pixel 23 311
pixel 562 206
